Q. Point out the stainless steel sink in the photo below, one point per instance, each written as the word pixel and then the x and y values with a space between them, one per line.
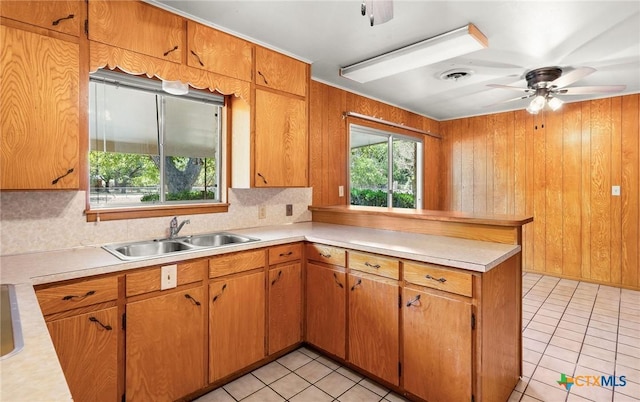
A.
pixel 216 239
pixel 164 247
pixel 10 327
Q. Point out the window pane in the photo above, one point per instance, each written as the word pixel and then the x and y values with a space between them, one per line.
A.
pixel 404 173
pixel 369 168
pixel 123 144
pixel 191 150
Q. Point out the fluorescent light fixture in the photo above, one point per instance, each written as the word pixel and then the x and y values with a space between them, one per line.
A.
pixel 430 51
pixel 175 87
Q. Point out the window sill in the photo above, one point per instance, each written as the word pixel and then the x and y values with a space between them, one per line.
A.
pixel 113 214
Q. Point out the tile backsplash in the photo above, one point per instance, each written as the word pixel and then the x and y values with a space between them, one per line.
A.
pixel 42 221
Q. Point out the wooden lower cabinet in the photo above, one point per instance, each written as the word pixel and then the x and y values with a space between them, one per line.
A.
pixel 374 326
pixel 326 308
pixel 236 323
pixel 87 346
pixel 437 347
pixel 285 306
pixel 165 346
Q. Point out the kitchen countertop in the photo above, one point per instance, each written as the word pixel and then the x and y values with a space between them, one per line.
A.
pixel 35 373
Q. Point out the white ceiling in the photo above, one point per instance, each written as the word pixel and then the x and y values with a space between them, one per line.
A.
pixel 522 35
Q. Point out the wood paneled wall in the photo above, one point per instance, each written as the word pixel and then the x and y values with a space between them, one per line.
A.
pixel 558 167
pixel 328 139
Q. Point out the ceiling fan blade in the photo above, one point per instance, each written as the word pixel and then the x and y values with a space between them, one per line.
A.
pixel 520 89
pixel 601 89
pixel 508 100
pixel 572 76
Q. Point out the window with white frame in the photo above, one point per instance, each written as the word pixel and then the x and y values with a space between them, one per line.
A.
pixel 148 147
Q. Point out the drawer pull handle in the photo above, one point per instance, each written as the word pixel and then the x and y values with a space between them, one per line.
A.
pixel 441 280
pixel 413 301
pixel 70 297
pixel 324 255
pixel 335 278
pixel 220 294
pixel 358 283
pixel 198 58
pixel 273 282
pixel 170 50
pixel 59 20
pixel 263 179
pixel 57 179
pixel 94 319
pixel 263 78
pixel 376 266
pixel 286 254
pixel 194 301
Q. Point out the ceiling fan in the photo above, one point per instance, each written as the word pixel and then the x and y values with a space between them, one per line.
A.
pixel 546 83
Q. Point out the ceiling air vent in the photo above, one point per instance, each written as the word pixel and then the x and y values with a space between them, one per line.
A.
pixel 456 75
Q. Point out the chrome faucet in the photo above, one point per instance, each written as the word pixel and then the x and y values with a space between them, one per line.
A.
pixel 174 228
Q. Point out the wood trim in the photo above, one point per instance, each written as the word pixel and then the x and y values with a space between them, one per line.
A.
pixel 414 224
pixel 391 124
pixel 101 55
pixel 98 215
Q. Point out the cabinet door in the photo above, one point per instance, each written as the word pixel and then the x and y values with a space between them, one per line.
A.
pixel 373 326
pixel 326 305
pixel 285 306
pixel 277 71
pixel 62 16
pixel 139 27
pixel 39 120
pixel 219 52
pixel 165 353
pixel 437 345
pixel 87 346
pixel 236 323
pixel 280 140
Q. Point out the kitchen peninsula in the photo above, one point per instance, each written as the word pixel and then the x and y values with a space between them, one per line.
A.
pixel 475 282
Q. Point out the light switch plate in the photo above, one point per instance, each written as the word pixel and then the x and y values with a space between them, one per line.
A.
pixel 168 277
pixel 340 191
pixel 615 190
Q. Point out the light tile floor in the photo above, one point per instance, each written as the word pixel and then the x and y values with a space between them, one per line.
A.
pixel 569 327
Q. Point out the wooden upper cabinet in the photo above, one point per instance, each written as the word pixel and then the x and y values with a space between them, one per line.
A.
pixel 277 71
pixel 40 112
pixel 61 16
pixel 139 27
pixel 281 140
pixel 219 52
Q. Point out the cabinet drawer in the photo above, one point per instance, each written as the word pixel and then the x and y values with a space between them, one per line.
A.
pixel 435 277
pixel 237 262
pixel 327 254
pixel 374 264
pixel 149 280
pixel 284 253
pixel 79 294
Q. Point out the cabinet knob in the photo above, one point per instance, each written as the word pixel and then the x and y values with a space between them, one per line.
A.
pixel 413 301
pixel 94 319
pixel 194 301
pixel 59 20
pixel 71 297
pixel 57 179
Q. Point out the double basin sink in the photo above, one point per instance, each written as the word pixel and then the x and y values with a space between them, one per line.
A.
pixel 164 247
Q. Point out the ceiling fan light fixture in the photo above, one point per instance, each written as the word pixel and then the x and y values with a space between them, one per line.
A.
pixel 554 103
pixel 537 104
pixel 446 46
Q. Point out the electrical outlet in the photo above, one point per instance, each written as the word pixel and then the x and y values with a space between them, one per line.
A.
pixel 262 212
pixel 289 210
pixel 340 191
pixel 168 277
pixel 615 190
